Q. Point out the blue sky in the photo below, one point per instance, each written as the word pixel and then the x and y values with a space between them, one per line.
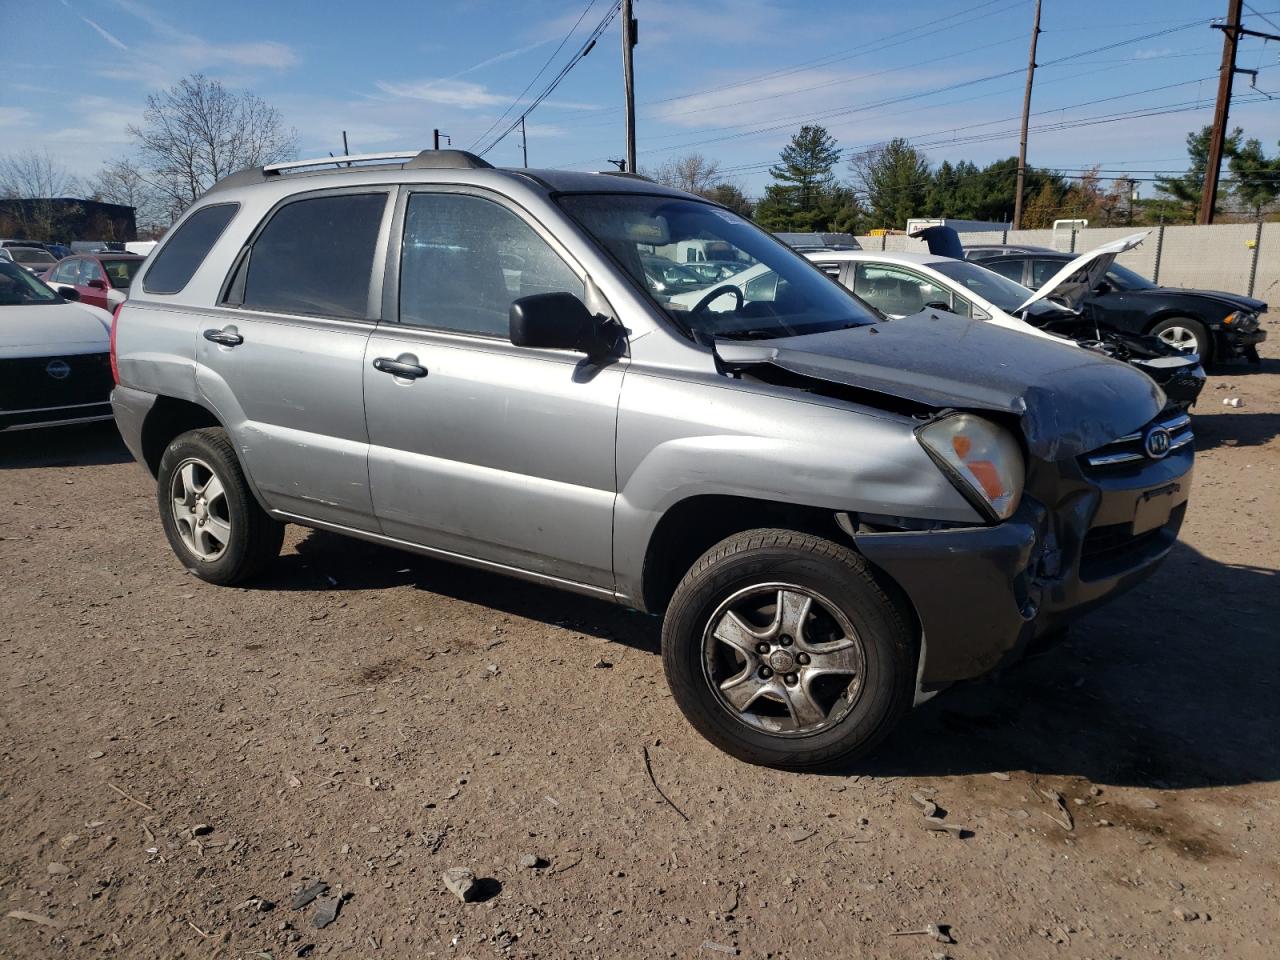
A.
pixel 728 78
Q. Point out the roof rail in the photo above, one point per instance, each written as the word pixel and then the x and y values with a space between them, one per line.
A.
pixel 337 161
pixel 412 160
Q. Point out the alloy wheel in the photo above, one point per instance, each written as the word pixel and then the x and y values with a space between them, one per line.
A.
pixel 783 659
pixel 1181 338
pixel 200 511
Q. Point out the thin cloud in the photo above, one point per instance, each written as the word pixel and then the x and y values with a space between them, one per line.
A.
pixel 106 35
pixel 501 57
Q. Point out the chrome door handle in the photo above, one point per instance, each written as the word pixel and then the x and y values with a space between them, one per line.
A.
pixel 399 368
pixel 225 338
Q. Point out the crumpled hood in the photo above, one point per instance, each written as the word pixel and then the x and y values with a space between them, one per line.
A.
pixel 1068 400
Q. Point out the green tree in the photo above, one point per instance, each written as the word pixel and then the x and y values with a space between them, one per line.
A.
pixel 895 180
pixel 1257 177
pixel 800 196
pixel 731 196
pixel 1189 188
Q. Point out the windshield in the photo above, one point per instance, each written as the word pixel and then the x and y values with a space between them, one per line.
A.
pixel 987 284
pixel 1122 278
pixel 19 288
pixel 120 272
pixel 31 255
pixel 775 293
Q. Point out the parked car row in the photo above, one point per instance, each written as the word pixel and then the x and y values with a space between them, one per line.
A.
pixel 835 516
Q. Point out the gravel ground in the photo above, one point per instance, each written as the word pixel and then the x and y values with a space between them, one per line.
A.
pixel 179 759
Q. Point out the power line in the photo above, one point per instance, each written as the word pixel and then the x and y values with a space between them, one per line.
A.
pixel 541 70
pixel 564 72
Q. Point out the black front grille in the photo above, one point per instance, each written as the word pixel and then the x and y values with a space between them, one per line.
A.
pixel 32 383
pixel 1114 546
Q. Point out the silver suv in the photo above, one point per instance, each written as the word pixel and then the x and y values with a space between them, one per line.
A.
pixel 833 516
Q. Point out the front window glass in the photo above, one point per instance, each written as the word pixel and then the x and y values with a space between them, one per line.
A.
pixel 120 272
pixel 1122 278
pixel 1011 269
pixel 465 258
pixel 19 288
pixel 985 283
pixel 776 293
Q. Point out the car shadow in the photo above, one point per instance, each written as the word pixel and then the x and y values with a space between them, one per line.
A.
pixel 1173 686
pixel 1232 429
pixel 85 445
pixel 329 561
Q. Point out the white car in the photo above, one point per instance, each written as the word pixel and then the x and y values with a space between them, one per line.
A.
pixel 55 365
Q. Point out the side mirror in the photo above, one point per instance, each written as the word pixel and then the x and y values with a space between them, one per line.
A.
pixel 69 293
pixel 97 284
pixel 938 305
pixel 556 321
pixel 1102 288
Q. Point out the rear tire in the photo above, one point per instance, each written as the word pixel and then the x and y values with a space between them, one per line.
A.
pixel 213 522
pixel 1185 334
pixel 824 668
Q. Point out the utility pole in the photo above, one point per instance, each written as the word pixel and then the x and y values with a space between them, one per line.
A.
pixel 1232 31
pixel 524 143
pixel 345 149
pixel 1026 116
pixel 628 78
pixel 435 139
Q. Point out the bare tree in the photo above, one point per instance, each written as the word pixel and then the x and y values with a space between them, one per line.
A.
pixel 199 131
pixel 693 172
pixel 122 181
pixel 34 179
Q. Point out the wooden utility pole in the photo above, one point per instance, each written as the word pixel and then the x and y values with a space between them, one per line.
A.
pixel 1232 31
pixel 1226 74
pixel 1026 116
pixel 628 79
pixel 524 142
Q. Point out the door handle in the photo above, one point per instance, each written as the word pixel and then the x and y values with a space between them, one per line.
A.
pixel 226 338
pixel 399 368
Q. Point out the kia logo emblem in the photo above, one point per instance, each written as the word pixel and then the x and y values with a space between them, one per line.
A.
pixel 1156 443
pixel 58 369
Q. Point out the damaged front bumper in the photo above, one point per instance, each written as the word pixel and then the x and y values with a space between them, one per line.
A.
pixel 1081 535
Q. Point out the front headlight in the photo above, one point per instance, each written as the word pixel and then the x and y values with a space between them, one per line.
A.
pixel 982 460
pixel 1241 321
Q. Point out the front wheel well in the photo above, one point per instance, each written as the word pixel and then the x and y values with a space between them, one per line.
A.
pixel 168 418
pixel 1199 321
pixel 693 526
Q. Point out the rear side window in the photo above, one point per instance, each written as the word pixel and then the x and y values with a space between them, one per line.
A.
pixel 315 257
pixel 178 259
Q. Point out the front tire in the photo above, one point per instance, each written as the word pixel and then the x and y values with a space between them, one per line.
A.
pixel 209 514
pixel 1184 334
pixel 782 649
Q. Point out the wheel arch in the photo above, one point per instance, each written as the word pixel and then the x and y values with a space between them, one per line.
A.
pixel 1181 313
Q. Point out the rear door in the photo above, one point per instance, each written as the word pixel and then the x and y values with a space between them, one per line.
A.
pixel 281 357
pixel 487 450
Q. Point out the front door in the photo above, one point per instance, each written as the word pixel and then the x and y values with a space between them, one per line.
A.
pixel 281 358
pixel 93 284
pixel 477 447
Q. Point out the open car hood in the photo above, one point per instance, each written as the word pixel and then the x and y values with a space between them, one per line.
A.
pixel 1080 277
pixel 1068 401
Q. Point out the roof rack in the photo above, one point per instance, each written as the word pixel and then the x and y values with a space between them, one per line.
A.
pixel 412 160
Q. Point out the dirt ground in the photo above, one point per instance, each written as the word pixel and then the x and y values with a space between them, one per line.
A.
pixel 173 750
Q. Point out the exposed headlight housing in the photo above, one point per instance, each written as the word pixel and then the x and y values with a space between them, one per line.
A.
pixel 981 459
pixel 1241 320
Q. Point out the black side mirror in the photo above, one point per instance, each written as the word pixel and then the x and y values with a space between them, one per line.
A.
pixel 556 321
pixel 938 305
pixel 1103 287
pixel 69 293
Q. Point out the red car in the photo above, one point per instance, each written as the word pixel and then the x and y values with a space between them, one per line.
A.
pixel 101 279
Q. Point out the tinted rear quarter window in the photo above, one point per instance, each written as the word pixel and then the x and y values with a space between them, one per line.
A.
pixel 315 257
pixel 177 261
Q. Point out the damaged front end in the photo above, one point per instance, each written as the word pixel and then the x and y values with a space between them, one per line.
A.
pixel 1107 474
